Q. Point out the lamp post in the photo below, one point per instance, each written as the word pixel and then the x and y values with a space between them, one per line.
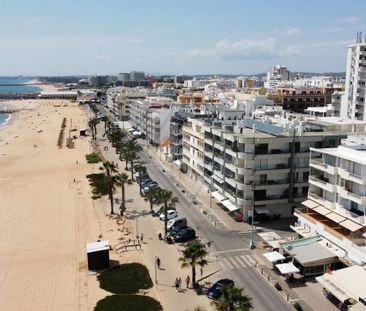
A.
pixel 137 227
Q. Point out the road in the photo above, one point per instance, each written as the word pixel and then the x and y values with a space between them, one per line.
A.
pixel 231 250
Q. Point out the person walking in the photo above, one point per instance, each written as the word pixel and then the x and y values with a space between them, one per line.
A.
pixel 142 237
pixel 158 262
pixel 188 280
pixel 180 283
pixel 177 284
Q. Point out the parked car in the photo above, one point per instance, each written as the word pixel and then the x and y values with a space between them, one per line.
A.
pixel 214 292
pixel 146 182
pixel 173 230
pixel 184 235
pixel 170 214
pixel 177 222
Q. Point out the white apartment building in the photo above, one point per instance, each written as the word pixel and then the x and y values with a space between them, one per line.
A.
pixel 252 164
pixel 336 205
pixel 158 124
pixel 353 101
pixel 276 76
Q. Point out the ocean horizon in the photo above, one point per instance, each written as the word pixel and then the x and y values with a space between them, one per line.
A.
pixel 17 88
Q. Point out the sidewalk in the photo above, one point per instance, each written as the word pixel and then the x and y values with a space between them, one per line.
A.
pixel 142 221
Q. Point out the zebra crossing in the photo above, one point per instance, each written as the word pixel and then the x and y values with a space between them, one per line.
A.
pixel 237 261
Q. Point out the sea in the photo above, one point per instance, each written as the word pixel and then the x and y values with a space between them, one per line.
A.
pixel 4 118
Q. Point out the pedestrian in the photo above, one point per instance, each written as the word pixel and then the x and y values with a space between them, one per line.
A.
pixel 177 284
pixel 180 283
pixel 158 262
pixel 188 280
pixel 142 237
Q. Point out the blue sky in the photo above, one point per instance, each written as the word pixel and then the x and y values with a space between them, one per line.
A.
pixel 49 37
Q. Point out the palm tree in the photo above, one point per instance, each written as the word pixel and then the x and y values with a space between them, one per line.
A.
pixel 131 148
pixel 106 121
pixel 166 197
pixel 152 196
pixel 194 255
pixel 109 167
pixel 111 183
pixel 233 299
pixel 92 123
pixel 116 137
pixel 123 180
pixel 141 169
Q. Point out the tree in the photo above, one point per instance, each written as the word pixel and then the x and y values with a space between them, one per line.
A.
pixel 233 299
pixel 116 137
pixel 130 150
pixel 124 179
pixel 141 169
pixel 194 255
pixel 106 121
pixel 92 123
pixel 166 197
pixel 152 196
pixel 109 167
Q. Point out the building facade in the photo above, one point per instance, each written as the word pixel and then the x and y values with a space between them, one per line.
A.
pixel 265 170
pixel 336 205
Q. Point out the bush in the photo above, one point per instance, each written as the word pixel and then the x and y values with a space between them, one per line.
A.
pixel 125 279
pixel 128 303
pixel 93 158
pixel 297 306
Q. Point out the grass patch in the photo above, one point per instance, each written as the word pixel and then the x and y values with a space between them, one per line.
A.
pixel 126 279
pixel 93 158
pixel 128 303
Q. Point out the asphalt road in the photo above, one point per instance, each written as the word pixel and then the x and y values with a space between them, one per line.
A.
pixel 231 250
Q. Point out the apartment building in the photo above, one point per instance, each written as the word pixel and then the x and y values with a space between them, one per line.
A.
pixel 253 164
pixel 299 99
pixel 336 204
pixel 158 123
pixel 354 98
pixel 277 76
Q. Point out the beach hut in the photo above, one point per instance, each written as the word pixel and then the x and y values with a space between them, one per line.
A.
pixel 98 255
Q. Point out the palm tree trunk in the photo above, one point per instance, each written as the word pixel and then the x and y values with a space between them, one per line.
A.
pixel 132 169
pixel 194 276
pixel 111 199
pixel 126 167
pixel 123 205
pixel 140 181
pixel 166 218
pixel 151 205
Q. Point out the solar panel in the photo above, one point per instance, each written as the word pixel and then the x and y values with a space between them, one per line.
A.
pixel 263 127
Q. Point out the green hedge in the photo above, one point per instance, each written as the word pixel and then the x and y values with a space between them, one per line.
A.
pixel 125 279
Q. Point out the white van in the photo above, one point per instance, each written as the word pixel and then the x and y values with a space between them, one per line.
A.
pixel 177 222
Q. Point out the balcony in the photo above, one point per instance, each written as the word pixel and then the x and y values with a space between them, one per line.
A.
pixel 270 184
pixel 320 165
pixel 341 210
pixel 271 200
pixel 323 184
pixel 348 195
pixel 279 168
pixel 352 176
pixel 321 200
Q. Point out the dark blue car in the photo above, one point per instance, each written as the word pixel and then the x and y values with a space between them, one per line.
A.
pixel 214 292
pixel 184 235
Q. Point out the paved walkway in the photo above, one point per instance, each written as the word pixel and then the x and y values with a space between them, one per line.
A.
pixel 152 247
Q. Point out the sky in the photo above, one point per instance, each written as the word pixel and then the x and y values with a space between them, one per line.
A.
pixel 79 37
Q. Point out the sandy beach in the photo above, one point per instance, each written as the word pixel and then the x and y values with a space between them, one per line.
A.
pixel 46 218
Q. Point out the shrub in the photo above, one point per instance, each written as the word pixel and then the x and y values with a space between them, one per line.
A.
pixel 278 286
pixel 128 303
pixel 93 158
pixel 125 279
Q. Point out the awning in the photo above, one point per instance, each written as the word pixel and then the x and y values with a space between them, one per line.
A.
pixel 262 210
pixel 274 256
pixel 218 179
pixel 350 225
pixel 322 210
pixel 287 268
pixel 335 217
pixel 218 196
pixel 310 204
pixel 331 287
pixel 165 143
pixel 230 206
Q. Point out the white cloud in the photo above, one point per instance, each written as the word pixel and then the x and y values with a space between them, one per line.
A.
pixel 292 31
pixel 347 19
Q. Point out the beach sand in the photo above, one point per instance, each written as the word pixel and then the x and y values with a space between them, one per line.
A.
pixel 46 218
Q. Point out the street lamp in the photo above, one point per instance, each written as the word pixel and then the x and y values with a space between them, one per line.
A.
pixel 137 227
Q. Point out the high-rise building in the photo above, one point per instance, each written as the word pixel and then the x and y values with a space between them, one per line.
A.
pixel 137 75
pixel 276 76
pixel 124 76
pixel 353 102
